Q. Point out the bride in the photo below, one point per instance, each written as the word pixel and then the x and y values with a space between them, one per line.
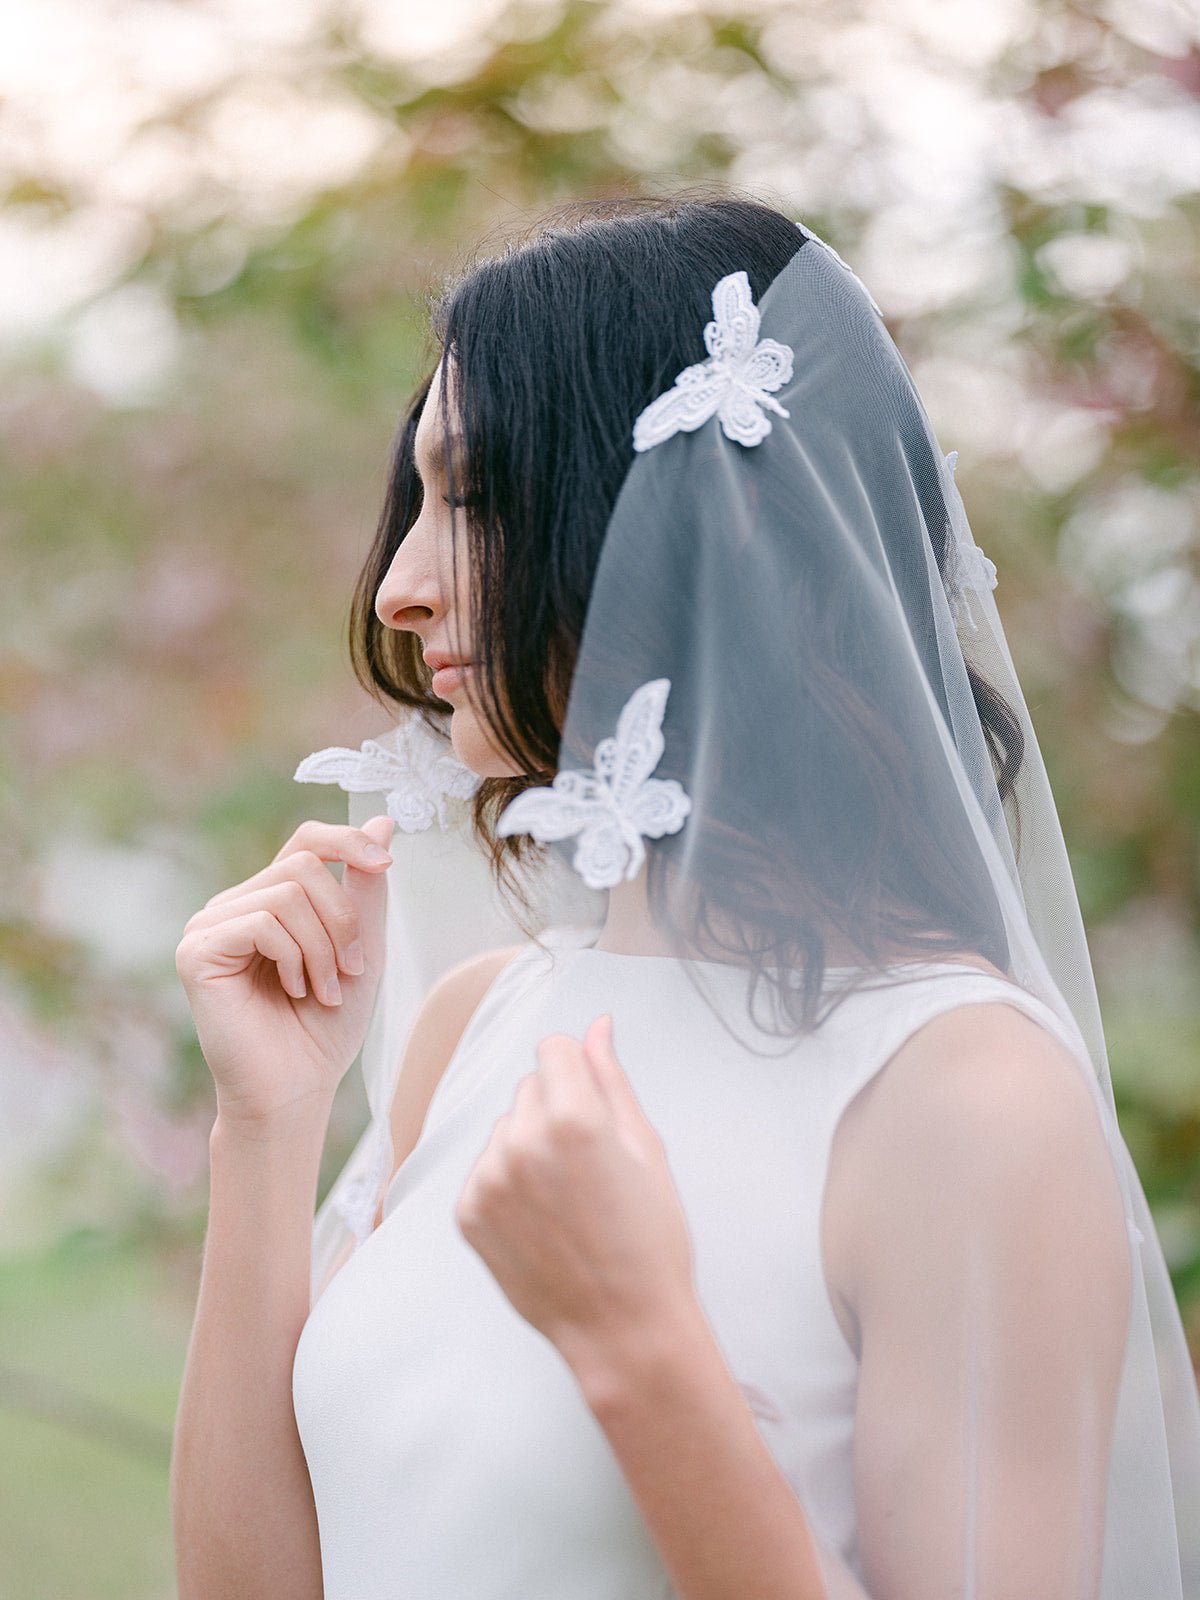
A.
pixel 743 1213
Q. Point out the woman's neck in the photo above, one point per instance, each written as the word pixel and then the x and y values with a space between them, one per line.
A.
pixel 627 928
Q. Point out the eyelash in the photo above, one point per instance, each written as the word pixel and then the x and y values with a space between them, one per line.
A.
pixel 462 501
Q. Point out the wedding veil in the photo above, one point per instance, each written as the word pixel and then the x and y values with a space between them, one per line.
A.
pixel 794 708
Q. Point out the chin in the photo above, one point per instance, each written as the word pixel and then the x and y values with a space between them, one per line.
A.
pixel 474 748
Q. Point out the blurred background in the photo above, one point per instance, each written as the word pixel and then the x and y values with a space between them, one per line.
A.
pixel 221 223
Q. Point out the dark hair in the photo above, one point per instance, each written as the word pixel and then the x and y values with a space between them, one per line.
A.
pixel 557 343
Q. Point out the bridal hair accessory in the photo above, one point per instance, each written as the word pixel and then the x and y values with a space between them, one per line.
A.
pixel 734 384
pixel 966 565
pixel 612 807
pixel 414 771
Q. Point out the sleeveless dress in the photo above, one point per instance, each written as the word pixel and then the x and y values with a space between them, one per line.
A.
pixel 451 1454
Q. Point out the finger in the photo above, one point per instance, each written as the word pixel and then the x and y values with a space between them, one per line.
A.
pixel 225 949
pixel 568 1088
pixel 367 893
pixel 325 842
pixel 329 900
pixel 608 1073
pixel 365 847
pixel 527 1111
pixel 289 903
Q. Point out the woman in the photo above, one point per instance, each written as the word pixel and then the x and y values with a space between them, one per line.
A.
pixel 758 1224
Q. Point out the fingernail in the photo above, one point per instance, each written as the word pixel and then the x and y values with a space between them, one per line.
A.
pixel 333 992
pixel 354 957
pixel 376 852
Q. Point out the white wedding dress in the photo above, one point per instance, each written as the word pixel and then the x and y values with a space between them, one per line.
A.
pixel 452 1456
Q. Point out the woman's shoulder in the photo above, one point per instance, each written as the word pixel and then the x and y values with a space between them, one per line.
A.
pixel 455 998
pixel 992 1061
pixel 459 990
pixel 982 1099
pixel 440 1024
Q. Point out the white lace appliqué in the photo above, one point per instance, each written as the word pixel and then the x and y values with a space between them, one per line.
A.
pixel 734 384
pixel 413 770
pixel 358 1200
pixel 966 565
pixel 613 806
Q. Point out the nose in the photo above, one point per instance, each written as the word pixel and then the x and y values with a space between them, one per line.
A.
pixel 411 595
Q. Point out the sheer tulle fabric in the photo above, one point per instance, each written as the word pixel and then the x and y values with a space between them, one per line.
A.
pixel 811 601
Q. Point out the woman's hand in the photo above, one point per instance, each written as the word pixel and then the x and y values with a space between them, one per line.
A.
pixel 263 964
pixel 573 1208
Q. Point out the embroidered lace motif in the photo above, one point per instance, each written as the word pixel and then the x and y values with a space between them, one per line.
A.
pixel 413 769
pixel 613 806
pixel 966 565
pixel 357 1201
pixel 734 384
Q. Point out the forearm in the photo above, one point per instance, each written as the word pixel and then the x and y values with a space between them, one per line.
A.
pixel 242 1509
pixel 722 1515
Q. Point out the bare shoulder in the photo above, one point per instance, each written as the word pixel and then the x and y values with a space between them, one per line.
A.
pixel 434 1036
pixel 966 1065
pixel 982 1106
pixel 448 1008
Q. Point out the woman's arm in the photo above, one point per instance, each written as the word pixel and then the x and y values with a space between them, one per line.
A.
pixel 280 973
pixel 242 1504
pixel 991 1290
pixel 993 1295
pixel 244 1522
pixel 725 1520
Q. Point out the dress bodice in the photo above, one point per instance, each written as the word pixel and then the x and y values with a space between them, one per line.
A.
pixel 450 1450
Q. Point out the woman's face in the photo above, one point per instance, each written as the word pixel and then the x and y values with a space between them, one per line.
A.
pixel 419 594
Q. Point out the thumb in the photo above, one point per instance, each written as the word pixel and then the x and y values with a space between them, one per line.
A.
pixel 380 829
pixel 368 892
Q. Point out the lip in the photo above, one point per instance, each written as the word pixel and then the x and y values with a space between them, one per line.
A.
pixel 442 658
pixel 447 679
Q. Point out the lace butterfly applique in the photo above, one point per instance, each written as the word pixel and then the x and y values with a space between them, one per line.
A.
pixel 612 807
pixel 736 382
pixel 966 565
pixel 413 770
